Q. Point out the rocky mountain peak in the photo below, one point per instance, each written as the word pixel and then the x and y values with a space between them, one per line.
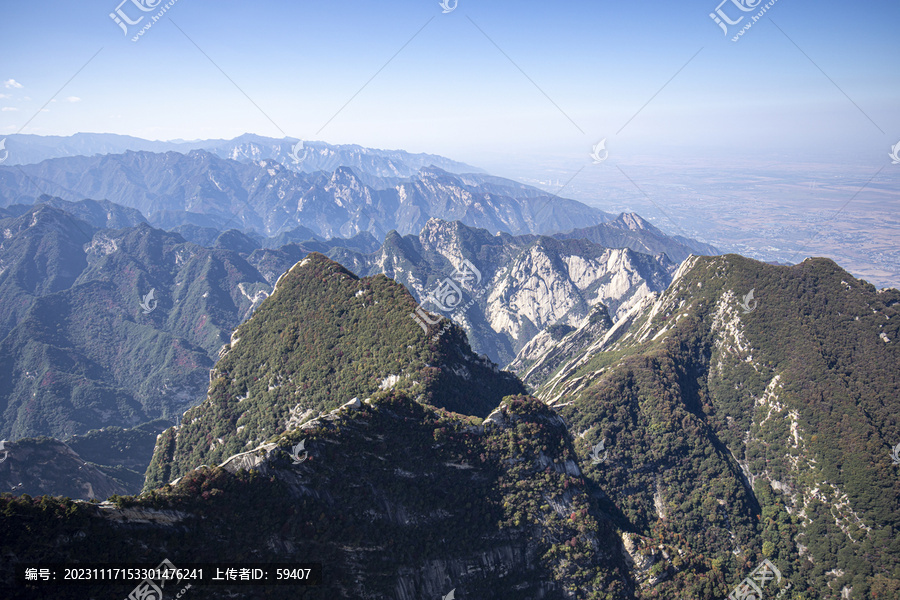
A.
pixel 633 221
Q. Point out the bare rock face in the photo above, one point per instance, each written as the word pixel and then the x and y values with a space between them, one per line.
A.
pixel 554 346
pixel 524 284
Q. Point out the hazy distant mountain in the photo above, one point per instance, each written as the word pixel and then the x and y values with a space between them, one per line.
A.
pixel 319 156
pixel 38 466
pixel 101 214
pixel 314 156
pixel 629 230
pixel 201 189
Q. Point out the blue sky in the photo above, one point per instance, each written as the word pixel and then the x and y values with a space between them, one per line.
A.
pixel 588 68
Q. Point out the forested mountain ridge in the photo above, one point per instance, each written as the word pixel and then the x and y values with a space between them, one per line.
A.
pixel 322 338
pixel 395 498
pixel 749 413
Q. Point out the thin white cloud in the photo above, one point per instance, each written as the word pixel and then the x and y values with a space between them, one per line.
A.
pixel 12 83
pixel 8 109
pixel 73 99
pixel 5 96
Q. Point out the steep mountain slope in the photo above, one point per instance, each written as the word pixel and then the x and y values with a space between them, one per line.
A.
pixel 526 283
pixel 95 465
pixel 629 230
pixel 86 346
pixel 40 253
pixel 740 427
pixel 268 197
pixel 323 337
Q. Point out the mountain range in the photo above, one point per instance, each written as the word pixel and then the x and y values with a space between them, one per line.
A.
pixel 269 198
pixel 312 156
pixel 747 414
pixel 85 347
pixel 715 432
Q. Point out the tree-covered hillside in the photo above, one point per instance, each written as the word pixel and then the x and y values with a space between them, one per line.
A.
pixel 743 427
pixel 395 498
pixel 323 338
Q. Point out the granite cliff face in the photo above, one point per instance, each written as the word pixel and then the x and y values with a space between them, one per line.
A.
pixel 527 283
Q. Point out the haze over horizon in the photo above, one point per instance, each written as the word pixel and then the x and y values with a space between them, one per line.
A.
pixel 482 81
pixel 523 91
